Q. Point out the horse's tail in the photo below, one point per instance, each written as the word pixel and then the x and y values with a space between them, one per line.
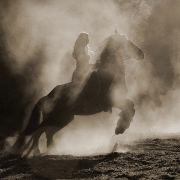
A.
pixel 34 119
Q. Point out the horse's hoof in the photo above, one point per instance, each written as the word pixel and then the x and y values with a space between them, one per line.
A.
pixel 119 131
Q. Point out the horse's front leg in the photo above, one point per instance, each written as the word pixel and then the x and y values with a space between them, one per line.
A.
pixel 33 143
pixel 125 116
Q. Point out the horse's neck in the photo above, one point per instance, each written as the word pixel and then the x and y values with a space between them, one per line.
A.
pixel 107 69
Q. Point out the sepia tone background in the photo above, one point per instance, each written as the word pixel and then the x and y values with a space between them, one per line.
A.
pixel 36 43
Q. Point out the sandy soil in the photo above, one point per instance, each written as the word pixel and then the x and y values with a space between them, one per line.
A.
pixel 148 159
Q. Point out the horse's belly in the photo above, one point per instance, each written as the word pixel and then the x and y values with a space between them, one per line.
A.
pixel 91 105
pixel 87 107
pixel 93 98
pixel 86 111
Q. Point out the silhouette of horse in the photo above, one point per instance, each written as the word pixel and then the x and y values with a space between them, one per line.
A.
pixel 57 109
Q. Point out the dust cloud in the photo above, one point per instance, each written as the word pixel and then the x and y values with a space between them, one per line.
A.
pixel 38 38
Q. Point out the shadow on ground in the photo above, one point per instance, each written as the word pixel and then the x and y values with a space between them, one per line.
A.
pixel 148 159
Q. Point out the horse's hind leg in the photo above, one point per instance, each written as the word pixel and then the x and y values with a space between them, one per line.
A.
pixel 125 116
pixel 18 145
pixel 35 146
pixel 51 130
pixel 49 135
pixel 35 143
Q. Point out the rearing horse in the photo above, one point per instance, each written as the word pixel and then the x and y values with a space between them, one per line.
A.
pixel 57 109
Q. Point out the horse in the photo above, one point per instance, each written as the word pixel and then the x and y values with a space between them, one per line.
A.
pixel 57 109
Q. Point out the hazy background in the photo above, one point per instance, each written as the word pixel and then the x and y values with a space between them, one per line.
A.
pixel 36 42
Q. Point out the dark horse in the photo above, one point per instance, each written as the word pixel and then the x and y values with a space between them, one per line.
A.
pixel 57 109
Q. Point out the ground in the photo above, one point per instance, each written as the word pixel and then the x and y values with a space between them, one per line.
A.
pixel 147 159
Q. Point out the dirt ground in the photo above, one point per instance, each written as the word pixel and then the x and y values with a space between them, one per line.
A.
pixel 147 159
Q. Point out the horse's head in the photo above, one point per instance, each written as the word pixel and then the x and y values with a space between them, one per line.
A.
pixel 116 49
pixel 124 48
